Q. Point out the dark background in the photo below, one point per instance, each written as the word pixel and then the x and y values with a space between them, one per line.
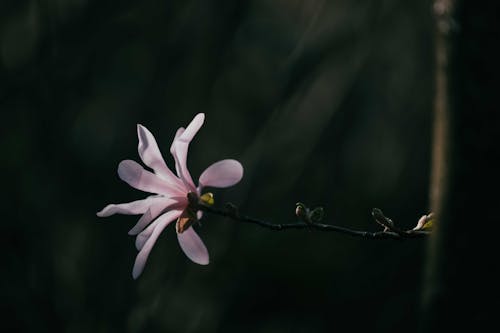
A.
pixel 324 102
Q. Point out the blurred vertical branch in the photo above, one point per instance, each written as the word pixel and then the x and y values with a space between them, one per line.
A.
pixel 433 301
pixel 442 108
pixel 459 279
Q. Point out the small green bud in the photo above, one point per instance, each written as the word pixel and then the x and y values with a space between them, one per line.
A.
pixel 208 199
pixel 426 222
pixel 381 219
pixel 301 211
pixel 317 214
pixel 429 222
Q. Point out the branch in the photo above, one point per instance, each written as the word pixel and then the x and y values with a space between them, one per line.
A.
pixel 232 212
pixel 446 266
pixel 387 223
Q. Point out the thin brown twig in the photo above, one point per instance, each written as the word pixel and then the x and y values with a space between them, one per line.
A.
pixel 232 212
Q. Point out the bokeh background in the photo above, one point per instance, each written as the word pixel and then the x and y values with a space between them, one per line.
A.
pixel 324 102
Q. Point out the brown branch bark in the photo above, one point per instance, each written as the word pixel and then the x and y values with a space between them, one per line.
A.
pixel 233 213
pixel 458 283
pixel 434 279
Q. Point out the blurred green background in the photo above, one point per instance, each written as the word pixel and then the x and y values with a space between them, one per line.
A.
pixel 324 102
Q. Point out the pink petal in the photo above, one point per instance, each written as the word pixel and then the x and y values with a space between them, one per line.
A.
pixel 180 146
pixel 177 135
pixel 172 148
pixel 129 208
pixel 193 128
pixel 144 235
pixel 180 156
pixel 136 176
pixel 193 246
pixel 151 156
pixel 142 257
pixel 420 222
pixel 143 222
pixel 224 173
pixel 154 211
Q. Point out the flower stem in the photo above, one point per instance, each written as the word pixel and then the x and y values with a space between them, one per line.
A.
pixel 232 212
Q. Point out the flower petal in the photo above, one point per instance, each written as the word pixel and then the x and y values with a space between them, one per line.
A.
pixel 154 211
pixel 180 157
pixel 180 147
pixel 193 246
pixel 420 222
pixel 145 219
pixel 136 176
pixel 151 156
pixel 177 135
pixel 193 128
pixel 144 235
pixel 130 208
pixel 224 173
pixel 142 257
pixel 172 148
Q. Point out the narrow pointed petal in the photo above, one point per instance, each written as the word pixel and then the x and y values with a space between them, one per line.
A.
pixel 177 135
pixel 136 176
pixel 193 246
pixel 224 173
pixel 193 128
pixel 129 208
pixel 180 156
pixel 144 235
pixel 143 222
pixel 153 212
pixel 142 256
pixel 421 222
pixel 172 149
pixel 151 156
pixel 180 148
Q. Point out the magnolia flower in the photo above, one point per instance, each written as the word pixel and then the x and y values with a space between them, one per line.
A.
pixel 174 194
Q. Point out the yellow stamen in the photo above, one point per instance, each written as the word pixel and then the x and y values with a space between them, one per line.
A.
pixel 208 199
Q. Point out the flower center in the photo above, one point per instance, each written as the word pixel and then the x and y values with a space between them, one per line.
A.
pixel 188 216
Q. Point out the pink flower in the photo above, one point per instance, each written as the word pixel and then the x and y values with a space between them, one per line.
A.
pixel 170 201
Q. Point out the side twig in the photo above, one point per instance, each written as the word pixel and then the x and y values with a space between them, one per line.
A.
pixel 391 232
